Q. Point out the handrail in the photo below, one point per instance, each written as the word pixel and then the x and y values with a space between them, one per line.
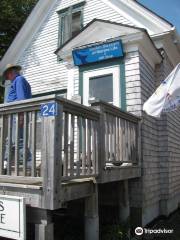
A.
pixel 35 103
pixel 115 111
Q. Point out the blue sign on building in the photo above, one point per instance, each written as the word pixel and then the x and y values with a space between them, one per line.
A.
pixel 98 53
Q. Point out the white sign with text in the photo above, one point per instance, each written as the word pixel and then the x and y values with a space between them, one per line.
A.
pixel 12 217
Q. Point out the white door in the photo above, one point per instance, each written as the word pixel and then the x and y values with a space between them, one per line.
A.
pixel 102 84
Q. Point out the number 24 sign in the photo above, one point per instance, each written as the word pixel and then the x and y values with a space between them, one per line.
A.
pixel 49 109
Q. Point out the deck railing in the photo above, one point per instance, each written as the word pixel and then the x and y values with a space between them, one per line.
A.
pixel 80 141
pixel 20 143
pixel 27 138
pixel 50 140
pixel 77 139
pixel 120 136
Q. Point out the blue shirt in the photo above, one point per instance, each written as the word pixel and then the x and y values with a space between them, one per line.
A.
pixel 19 90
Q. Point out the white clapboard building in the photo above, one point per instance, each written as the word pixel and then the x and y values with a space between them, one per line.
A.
pixel 117 51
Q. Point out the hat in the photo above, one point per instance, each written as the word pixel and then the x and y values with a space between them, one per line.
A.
pixel 11 66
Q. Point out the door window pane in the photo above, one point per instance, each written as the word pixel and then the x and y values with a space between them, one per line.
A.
pixel 101 87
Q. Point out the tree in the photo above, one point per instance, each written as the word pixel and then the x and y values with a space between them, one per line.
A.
pixel 13 14
pixel 1 94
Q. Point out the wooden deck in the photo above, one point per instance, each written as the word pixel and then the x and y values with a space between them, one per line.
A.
pixel 51 160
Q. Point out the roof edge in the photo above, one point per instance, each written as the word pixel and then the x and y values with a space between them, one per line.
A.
pixel 157 15
pixel 139 15
pixel 155 51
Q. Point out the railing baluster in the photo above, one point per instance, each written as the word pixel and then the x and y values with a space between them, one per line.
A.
pixel 9 145
pixel 106 137
pixel 66 134
pixel 33 166
pixel 126 140
pixel 2 137
pixel 25 143
pixel 138 143
pixel 88 146
pixel 117 140
pixel 93 148
pixel 78 145
pixel 120 131
pixel 17 145
pixel 83 146
pixel 72 146
pixel 114 136
pixel 133 152
pixel 97 142
pixel 123 140
pixel 129 141
pixel 135 144
pixel 111 137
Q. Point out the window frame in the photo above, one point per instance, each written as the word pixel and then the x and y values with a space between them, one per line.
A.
pixel 122 82
pixel 68 12
pixel 114 70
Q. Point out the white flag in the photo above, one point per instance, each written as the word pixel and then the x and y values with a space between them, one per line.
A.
pixel 167 96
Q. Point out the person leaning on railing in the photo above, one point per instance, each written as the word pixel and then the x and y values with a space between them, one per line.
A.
pixel 19 89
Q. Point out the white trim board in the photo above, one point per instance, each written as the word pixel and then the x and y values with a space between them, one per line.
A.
pixel 140 16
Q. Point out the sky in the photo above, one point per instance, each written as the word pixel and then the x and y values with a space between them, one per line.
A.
pixel 168 9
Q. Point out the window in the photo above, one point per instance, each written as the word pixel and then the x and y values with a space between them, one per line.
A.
pixel 102 84
pixel 70 22
pixel 76 23
pixel 101 87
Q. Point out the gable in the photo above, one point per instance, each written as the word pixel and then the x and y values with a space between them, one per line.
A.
pixel 93 9
pixel 43 32
pixel 140 16
pixel 97 31
pixel 101 31
pixel 41 28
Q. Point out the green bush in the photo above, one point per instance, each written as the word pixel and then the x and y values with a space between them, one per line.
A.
pixel 115 232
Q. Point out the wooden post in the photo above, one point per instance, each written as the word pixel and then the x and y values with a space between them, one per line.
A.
pixel 124 210
pixel 43 220
pixel 52 158
pixel 139 144
pixel 102 151
pixel 44 231
pixel 92 216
